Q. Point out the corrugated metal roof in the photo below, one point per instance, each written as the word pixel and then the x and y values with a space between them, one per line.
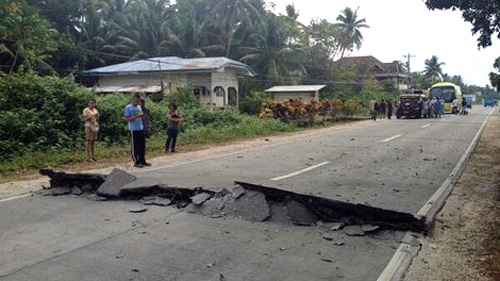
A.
pixel 128 89
pixel 170 64
pixel 297 88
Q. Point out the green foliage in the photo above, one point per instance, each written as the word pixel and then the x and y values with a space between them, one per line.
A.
pixel 27 38
pixel 495 77
pixel 251 104
pixel 183 97
pixel 40 113
pixel 482 14
pixel 350 34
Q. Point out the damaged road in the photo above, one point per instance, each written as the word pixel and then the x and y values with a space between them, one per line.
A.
pixel 246 201
pixel 329 207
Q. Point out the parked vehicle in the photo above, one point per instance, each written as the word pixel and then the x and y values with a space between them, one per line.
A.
pixel 410 105
pixel 446 92
pixel 490 102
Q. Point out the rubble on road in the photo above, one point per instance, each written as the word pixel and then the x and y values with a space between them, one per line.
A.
pixel 245 201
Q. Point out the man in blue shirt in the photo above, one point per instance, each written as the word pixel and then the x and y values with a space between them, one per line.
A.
pixel 134 115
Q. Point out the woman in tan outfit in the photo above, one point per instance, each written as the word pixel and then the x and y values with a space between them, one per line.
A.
pixel 91 118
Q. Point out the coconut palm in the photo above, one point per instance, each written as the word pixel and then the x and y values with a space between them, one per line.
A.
pixel 433 70
pixel 350 26
pixel 272 54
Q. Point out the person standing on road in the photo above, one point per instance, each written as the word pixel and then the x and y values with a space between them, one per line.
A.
pixel 173 126
pixel 425 108
pixel 454 109
pixel 382 108
pixel 464 107
pixel 91 118
pixel 390 108
pixel 373 109
pixel 432 108
pixel 134 115
pixel 438 107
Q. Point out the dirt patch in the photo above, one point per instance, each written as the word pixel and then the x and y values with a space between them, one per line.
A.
pixel 464 243
pixel 24 183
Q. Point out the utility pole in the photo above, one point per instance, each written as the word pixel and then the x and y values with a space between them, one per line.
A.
pixel 409 56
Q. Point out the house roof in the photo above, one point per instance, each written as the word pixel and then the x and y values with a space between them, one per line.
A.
pixel 171 65
pixel 371 66
pixel 297 88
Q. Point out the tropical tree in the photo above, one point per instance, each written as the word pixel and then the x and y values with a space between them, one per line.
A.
pixel 482 14
pixel 322 47
pixel 275 53
pixel 350 26
pixel 433 70
pixel 495 76
pixel 26 38
pixel 232 21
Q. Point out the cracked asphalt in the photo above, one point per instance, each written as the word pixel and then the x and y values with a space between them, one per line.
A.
pixel 396 164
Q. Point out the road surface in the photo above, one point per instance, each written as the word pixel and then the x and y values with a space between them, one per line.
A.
pixel 396 164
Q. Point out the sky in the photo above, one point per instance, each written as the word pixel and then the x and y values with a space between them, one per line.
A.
pixel 399 27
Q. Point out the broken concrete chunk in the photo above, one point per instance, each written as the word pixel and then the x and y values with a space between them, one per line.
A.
pixel 237 191
pixel 354 230
pixel 56 191
pixel 369 227
pixel 137 210
pixel 250 206
pixel 114 182
pixel 200 198
pixel 162 201
pixel 95 197
pixel 333 225
pixel 76 191
pixel 300 215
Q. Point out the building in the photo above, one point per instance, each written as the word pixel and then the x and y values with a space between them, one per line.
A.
pixel 369 66
pixel 214 80
pixel 305 92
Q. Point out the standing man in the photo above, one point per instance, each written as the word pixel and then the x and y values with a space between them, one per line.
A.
pixel 382 108
pixel 134 115
pixel 390 108
pixel 438 107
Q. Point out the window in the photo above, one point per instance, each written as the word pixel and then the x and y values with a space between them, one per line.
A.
pixel 232 96
pixel 219 92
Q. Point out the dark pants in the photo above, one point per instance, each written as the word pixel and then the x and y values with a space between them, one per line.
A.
pixel 138 144
pixel 389 113
pixel 171 139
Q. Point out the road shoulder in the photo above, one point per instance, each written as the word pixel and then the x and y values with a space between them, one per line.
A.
pixel 463 243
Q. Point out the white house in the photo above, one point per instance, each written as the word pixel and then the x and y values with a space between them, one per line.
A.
pixel 215 79
pixel 305 92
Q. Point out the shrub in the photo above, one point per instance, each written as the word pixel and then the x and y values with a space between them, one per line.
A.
pixel 39 113
pixel 251 104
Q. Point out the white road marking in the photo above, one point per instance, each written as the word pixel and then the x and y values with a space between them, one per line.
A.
pixel 14 198
pixel 391 138
pixel 426 125
pixel 300 171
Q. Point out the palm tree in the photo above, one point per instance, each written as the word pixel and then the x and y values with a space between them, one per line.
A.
pixel 272 54
pixel 350 26
pixel 232 21
pixel 142 30
pixel 433 69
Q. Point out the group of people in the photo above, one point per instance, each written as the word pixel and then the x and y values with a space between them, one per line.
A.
pixel 381 109
pixel 139 121
pixel 432 108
